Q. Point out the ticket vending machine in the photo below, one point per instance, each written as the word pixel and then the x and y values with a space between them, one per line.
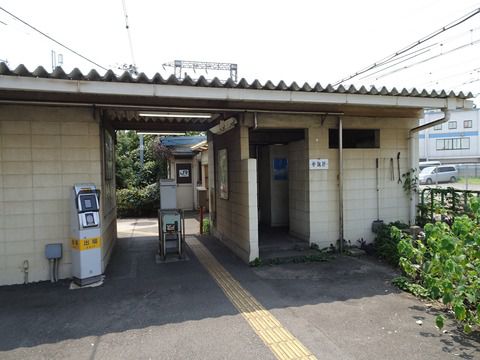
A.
pixel 86 235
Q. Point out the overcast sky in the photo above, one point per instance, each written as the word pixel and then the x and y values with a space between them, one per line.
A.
pixel 314 41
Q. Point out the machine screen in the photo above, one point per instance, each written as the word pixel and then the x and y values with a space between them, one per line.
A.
pixel 88 202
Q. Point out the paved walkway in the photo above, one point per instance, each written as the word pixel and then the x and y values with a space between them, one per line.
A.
pixel 208 308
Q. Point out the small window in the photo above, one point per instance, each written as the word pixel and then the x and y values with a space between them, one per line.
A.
pixel 440 144
pixel 467 124
pixel 438 127
pixel 452 124
pixel 355 138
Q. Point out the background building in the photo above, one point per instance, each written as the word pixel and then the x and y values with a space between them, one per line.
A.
pixel 453 142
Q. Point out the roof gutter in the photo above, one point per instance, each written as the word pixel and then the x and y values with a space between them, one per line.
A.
pixel 443 119
pixel 127 107
pixel 413 155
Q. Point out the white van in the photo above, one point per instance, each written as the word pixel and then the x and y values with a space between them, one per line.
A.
pixel 424 164
pixel 437 174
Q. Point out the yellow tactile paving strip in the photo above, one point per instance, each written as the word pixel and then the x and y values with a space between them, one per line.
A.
pixel 280 341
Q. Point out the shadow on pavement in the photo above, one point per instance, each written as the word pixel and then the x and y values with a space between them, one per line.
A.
pixel 343 295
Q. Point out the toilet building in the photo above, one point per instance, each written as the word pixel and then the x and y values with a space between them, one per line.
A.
pixel 185 167
pixel 302 159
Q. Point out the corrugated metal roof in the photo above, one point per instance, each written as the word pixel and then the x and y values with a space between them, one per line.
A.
pixel 182 145
pixel 126 77
pixel 186 141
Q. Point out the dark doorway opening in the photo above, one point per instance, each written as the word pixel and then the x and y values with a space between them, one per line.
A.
pixel 271 148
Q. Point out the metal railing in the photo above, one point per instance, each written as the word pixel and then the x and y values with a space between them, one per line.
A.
pixel 437 201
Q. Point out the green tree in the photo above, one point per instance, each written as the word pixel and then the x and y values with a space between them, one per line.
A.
pixel 130 172
pixel 137 183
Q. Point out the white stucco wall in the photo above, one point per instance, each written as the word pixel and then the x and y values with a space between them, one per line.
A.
pixel 298 188
pixel 235 220
pixel 314 194
pixel 360 204
pixel 43 152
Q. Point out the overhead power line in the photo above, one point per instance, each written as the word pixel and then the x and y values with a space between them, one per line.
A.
pixel 476 42
pixel 411 46
pixel 52 39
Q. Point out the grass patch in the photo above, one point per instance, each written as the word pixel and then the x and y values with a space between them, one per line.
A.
pixel 471 180
pixel 321 256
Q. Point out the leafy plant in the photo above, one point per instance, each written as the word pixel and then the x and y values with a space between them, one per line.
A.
pixel 385 245
pixel 256 262
pixel 406 284
pixel 138 201
pixel 206 226
pixel 410 182
pixel 447 264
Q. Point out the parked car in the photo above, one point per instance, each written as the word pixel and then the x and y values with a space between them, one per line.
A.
pixel 437 174
pixel 424 164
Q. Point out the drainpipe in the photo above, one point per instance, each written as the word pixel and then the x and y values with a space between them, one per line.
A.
pixel 340 183
pixel 413 164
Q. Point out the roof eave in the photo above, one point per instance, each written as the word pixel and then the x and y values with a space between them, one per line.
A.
pixel 30 84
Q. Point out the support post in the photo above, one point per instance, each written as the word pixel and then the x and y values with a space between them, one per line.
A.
pixel 340 183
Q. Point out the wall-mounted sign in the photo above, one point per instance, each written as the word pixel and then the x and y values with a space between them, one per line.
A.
pixel 280 169
pixel 183 173
pixel 223 173
pixel 318 164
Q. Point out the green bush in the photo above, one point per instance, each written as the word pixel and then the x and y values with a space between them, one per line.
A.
pixel 206 226
pixel 447 264
pixel 138 202
pixel 385 245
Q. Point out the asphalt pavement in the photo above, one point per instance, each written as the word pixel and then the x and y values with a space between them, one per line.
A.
pixel 345 308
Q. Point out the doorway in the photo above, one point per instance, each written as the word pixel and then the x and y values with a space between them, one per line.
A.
pixel 272 149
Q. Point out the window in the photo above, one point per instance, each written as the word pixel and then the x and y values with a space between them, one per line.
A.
pixel 467 124
pixel 438 127
pixel 445 169
pixel 355 138
pixel 453 144
pixel 452 124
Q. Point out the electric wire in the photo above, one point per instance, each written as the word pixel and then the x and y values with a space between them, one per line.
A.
pixel 395 64
pixel 431 82
pixel 409 47
pixel 409 57
pixel 476 42
pixel 420 62
pixel 52 39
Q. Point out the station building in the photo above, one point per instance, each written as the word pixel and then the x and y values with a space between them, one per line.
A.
pixel 303 158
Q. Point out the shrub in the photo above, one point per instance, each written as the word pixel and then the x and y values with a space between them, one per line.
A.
pixel 385 245
pixel 138 202
pixel 447 264
pixel 206 226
